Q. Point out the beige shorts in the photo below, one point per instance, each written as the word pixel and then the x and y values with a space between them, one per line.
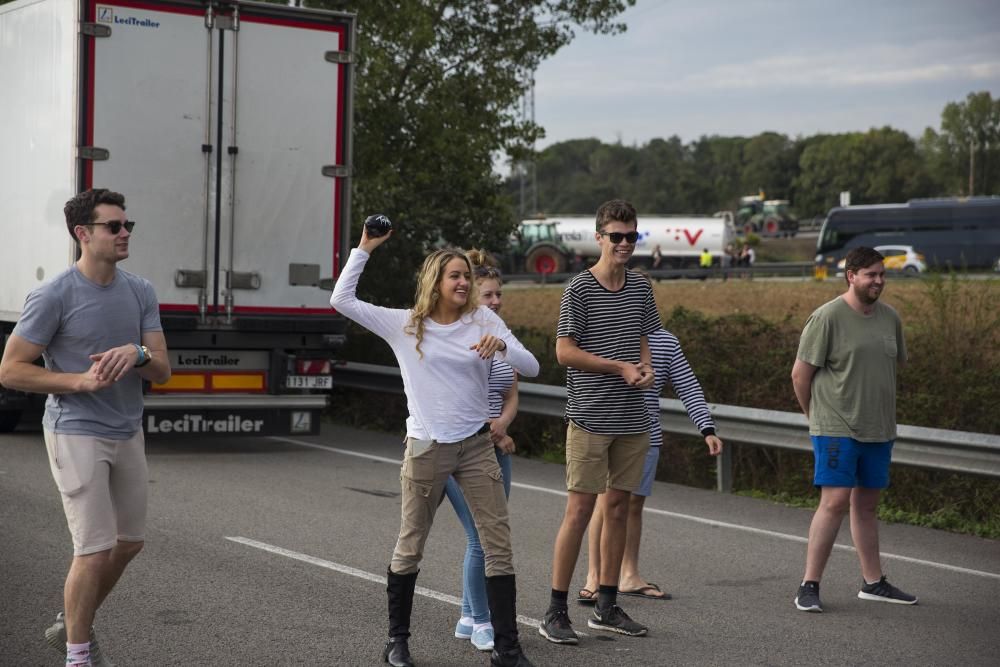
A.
pixel 596 462
pixel 104 486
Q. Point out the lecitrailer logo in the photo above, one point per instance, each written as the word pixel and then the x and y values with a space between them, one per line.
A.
pixel 106 14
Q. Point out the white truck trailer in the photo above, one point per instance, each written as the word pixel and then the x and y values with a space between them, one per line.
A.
pixel 227 126
pixel 551 244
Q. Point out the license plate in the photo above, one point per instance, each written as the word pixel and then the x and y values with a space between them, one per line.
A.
pixel 309 382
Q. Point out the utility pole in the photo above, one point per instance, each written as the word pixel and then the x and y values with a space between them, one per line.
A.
pixel 972 165
pixel 526 168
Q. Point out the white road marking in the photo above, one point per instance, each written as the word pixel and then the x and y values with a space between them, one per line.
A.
pixel 675 515
pixel 361 574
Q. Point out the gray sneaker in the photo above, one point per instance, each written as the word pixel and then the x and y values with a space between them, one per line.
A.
pixel 55 636
pixel 883 591
pixel 614 619
pixel 807 599
pixel 557 628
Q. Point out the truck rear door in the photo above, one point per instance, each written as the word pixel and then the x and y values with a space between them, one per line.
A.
pixel 227 129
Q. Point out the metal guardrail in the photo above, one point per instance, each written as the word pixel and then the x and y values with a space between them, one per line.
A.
pixel 760 269
pixel 933 448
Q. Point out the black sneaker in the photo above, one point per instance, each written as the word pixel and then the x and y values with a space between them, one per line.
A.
pixel 808 597
pixel 557 629
pixel 614 619
pixel 883 591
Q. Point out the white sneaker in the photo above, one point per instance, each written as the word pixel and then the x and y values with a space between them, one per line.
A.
pixel 482 638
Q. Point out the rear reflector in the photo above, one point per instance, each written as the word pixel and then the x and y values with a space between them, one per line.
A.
pixel 312 366
pixel 219 381
pixel 184 382
pixel 238 381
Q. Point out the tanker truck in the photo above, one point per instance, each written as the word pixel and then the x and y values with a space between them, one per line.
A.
pixel 556 244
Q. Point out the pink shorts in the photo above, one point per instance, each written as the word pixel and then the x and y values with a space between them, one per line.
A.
pixel 104 486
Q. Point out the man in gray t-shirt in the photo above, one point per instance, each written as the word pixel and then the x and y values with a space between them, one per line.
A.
pixel 98 330
pixel 845 381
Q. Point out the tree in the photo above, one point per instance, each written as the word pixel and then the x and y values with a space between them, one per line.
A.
pixel 972 126
pixel 770 163
pixel 437 90
pixel 878 167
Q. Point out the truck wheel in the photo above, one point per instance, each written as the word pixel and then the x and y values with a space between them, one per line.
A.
pixel 9 420
pixel 771 226
pixel 749 229
pixel 545 260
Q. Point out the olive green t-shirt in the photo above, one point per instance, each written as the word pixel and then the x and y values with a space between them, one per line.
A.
pixel 854 390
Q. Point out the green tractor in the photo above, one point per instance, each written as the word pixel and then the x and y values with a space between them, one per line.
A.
pixel 535 247
pixel 770 217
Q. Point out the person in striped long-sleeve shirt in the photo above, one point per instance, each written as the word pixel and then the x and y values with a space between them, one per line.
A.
pixel 670 366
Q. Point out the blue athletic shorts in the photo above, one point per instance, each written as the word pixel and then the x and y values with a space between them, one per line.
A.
pixel 842 461
pixel 648 473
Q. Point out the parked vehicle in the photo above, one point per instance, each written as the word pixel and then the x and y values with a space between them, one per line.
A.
pixel 955 233
pixel 227 126
pixel 558 243
pixel 766 217
pixel 897 258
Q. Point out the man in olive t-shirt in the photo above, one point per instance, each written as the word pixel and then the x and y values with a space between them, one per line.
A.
pixel 845 381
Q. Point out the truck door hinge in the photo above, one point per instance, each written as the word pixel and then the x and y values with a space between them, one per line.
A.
pixel 339 57
pixel 222 21
pixel 336 171
pixel 93 153
pixel 95 30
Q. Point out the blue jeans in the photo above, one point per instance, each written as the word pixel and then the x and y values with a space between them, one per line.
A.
pixel 474 600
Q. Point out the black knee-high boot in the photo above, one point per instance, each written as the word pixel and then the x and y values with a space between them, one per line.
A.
pixel 502 593
pixel 400 591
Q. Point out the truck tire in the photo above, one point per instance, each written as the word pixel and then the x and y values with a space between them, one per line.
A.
pixel 545 260
pixel 772 226
pixel 749 228
pixel 9 420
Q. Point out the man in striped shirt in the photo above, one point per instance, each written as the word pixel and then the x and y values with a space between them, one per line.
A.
pixel 604 318
pixel 670 365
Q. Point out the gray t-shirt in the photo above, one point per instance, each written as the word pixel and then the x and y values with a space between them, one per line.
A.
pixel 72 318
pixel 854 390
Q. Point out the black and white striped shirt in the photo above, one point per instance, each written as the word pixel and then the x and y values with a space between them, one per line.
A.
pixel 501 379
pixel 670 365
pixel 609 325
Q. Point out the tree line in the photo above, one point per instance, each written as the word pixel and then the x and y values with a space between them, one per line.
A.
pixel 882 165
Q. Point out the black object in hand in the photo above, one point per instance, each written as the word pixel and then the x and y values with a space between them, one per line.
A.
pixel 378 225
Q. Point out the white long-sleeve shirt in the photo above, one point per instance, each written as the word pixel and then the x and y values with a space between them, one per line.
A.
pixel 446 390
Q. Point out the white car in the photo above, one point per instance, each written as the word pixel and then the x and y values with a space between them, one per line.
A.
pixel 897 258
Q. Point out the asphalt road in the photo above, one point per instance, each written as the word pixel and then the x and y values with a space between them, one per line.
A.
pixel 271 552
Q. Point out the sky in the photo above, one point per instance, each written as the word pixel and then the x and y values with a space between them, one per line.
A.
pixel 740 67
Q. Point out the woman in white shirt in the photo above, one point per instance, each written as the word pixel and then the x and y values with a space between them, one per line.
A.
pixel 445 346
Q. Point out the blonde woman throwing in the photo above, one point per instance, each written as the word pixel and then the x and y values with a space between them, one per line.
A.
pixel 445 346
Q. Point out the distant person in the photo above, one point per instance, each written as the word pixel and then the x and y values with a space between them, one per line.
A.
pixel 727 261
pixel 744 260
pixel 844 378
pixel 657 257
pixel 705 262
pixel 474 623
pixel 98 329
pixel 605 315
pixel 445 346
pixel 670 365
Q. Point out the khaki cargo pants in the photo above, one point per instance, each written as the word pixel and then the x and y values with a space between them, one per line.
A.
pixel 426 467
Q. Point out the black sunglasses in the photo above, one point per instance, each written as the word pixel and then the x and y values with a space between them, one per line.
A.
pixel 617 237
pixel 116 226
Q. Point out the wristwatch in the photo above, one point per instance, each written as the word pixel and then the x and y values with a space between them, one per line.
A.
pixel 145 356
